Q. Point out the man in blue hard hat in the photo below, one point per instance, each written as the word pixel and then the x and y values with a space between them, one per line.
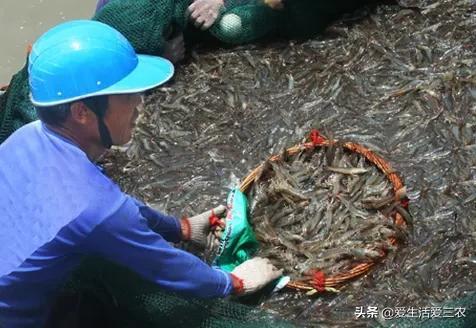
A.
pixel 56 204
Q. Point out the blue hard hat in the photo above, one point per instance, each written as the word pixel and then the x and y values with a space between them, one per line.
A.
pixel 83 58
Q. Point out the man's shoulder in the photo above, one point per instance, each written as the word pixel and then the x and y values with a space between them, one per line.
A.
pixel 25 131
pixel 43 170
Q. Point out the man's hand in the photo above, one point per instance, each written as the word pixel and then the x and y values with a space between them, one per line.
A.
pixel 204 13
pixel 275 4
pixel 174 49
pixel 197 227
pixel 254 274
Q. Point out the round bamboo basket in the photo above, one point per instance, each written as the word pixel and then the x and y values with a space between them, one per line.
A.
pixel 318 281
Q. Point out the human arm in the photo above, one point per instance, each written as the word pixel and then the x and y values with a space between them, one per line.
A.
pixel 126 238
pixel 195 228
pixel 167 226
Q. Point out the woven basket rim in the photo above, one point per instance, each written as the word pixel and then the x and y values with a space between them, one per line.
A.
pixel 325 282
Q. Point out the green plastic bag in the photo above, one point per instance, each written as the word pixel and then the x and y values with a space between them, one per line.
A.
pixel 238 242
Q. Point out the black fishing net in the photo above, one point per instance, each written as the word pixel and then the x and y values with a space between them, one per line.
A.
pixel 109 295
pixel 129 301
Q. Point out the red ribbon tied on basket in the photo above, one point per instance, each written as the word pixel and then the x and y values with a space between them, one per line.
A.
pixel 318 281
pixel 316 137
pixel 405 202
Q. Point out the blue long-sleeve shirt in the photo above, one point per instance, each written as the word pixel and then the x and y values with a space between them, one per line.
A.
pixel 56 207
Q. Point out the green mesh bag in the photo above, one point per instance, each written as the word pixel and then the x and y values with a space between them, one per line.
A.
pixel 145 23
pixel 15 106
pixel 127 300
pixel 247 21
pixel 242 23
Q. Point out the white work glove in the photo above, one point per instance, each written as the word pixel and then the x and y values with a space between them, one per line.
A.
pixel 197 227
pixel 204 13
pixel 254 274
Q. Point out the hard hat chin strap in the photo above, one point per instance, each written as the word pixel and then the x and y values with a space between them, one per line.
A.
pixel 98 105
pixel 104 132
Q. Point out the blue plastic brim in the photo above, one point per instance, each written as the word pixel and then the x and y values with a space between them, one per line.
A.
pixel 150 72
